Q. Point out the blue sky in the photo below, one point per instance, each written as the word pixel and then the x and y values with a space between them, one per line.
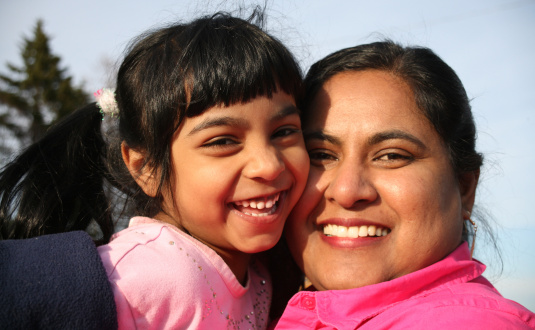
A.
pixel 489 43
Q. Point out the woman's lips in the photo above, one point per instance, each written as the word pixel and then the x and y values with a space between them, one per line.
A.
pixel 333 230
pixel 346 233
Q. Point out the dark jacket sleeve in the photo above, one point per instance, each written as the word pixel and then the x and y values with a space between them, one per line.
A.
pixel 54 282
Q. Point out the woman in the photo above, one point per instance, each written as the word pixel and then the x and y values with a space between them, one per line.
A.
pixel 381 229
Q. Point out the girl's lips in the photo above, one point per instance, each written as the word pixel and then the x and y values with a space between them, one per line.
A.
pixel 266 202
pixel 260 210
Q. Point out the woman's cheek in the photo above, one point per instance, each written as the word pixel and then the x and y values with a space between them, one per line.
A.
pixel 311 198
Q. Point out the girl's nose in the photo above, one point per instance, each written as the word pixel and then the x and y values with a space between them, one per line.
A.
pixel 264 163
pixel 350 184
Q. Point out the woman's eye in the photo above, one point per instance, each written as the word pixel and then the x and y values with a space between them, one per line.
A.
pixel 321 157
pixel 393 157
pixel 318 155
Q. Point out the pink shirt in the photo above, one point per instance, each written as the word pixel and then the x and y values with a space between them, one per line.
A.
pixel 450 294
pixel 163 278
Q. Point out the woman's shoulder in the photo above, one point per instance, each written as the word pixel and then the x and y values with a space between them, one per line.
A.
pixel 474 305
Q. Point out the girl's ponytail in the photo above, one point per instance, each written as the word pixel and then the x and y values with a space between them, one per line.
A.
pixel 57 184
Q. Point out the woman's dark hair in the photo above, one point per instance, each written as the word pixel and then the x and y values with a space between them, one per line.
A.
pixel 59 183
pixel 437 89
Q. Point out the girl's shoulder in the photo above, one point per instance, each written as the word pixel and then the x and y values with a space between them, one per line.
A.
pixel 151 246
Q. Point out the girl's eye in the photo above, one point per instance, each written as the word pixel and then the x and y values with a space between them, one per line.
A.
pixel 285 131
pixel 220 142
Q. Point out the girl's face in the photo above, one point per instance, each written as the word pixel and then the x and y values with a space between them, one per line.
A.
pixel 237 173
pixel 377 164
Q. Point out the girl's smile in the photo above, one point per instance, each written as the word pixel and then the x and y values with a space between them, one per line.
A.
pixel 258 207
pixel 238 171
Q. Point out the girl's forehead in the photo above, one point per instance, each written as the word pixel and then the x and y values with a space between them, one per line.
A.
pixel 244 114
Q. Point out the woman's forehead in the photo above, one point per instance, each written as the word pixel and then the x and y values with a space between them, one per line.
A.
pixel 354 96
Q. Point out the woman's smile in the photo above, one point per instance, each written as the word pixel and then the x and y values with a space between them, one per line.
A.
pixel 382 199
pixel 331 230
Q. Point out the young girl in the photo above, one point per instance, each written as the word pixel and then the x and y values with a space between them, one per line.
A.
pixel 211 152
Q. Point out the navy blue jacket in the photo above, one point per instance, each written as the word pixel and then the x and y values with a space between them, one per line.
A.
pixel 54 282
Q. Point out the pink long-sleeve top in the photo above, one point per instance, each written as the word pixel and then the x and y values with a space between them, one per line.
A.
pixel 163 278
pixel 450 294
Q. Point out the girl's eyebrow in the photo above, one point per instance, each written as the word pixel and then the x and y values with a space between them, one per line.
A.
pixel 232 121
pixel 219 121
pixel 285 112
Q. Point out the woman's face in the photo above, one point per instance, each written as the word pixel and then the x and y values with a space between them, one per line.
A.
pixel 378 167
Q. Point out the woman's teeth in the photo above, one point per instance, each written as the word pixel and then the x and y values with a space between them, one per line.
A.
pixel 252 206
pixel 354 231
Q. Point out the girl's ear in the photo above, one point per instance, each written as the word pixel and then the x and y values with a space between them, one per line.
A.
pixel 467 185
pixel 143 174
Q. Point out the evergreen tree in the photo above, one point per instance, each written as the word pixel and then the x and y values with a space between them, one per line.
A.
pixel 35 95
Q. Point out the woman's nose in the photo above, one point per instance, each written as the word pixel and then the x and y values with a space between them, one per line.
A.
pixel 350 185
pixel 264 163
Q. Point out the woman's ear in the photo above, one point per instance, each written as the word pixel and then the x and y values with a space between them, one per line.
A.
pixel 143 174
pixel 467 185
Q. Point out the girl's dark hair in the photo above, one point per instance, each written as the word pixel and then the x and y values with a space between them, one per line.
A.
pixel 180 71
pixel 183 70
pixel 55 185
pixel 437 89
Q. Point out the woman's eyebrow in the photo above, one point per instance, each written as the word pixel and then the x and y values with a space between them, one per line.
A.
pixel 322 136
pixel 375 139
pixel 395 134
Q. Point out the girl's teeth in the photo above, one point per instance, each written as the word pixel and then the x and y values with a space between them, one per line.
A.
pixel 354 231
pixel 262 214
pixel 259 203
pixel 269 204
